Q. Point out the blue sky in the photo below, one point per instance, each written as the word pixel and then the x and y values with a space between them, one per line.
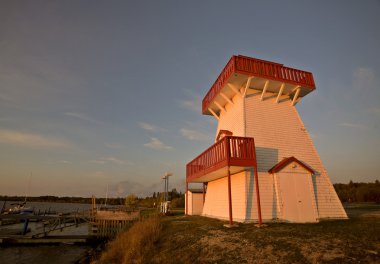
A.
pixel 97 93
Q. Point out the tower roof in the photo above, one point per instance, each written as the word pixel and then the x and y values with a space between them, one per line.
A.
pixel 242 73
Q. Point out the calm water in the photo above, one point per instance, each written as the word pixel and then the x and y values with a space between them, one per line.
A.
pixel 60 254
pixel 58 207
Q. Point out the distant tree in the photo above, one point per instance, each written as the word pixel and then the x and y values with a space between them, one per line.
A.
pixel 178 202
pixel 131 201
pixel 358 192
pixel 174 194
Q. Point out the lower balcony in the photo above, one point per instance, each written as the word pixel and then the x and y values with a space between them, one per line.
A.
pixel 234 153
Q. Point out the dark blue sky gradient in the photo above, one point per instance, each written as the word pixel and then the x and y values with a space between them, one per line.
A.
pixel 97 93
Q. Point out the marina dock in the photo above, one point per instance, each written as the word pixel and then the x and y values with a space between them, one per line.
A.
pixel 76 227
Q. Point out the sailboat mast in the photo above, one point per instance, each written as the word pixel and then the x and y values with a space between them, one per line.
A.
pixel 28 188
pixel 106 196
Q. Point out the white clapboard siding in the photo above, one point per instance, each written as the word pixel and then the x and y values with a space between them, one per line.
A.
pixel 195 203
pixel 232 118
pixel 216 202
pixel 279 133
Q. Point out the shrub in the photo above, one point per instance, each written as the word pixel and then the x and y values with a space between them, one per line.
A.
pixel 135 245
pixel 131 201
pixel 178 202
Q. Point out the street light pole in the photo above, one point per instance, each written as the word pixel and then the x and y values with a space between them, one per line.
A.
pixel 164 178
pixel 166 190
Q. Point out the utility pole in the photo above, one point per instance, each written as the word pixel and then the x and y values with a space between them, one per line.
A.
pixel 166 188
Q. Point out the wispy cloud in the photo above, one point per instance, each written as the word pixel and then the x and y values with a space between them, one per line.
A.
pixel 194 135
pixel 31 140
pixel 128 187
pixel 65 162
pixel 98 161
pixel 113 146
pixel 111 160
pixel 364 78
pixel 117 161
pixel 352 125
pixel 365 86
pixel 155 143
pixel 150 127
pixel 5 98
pixel 83 117
pixel 193 103
pixel 375 110
pixel 99 175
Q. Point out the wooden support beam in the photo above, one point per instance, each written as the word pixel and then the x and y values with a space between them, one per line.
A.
pixel 264 90
pixel 233 88
pixel 187 197
pixel 295 97
pixel 219 106
pixel 226 98
pixel 214 114
pixel 280 92
pixel 248 84
pixel 204 192
pixel 258 196
pixel 229 197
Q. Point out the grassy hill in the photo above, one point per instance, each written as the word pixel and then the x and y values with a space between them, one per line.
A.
pixel 195 239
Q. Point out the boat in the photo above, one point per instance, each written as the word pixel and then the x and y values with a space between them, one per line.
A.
pixel 19 208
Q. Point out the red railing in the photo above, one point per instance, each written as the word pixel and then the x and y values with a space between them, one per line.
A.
pixel 258 68
pixel 229 151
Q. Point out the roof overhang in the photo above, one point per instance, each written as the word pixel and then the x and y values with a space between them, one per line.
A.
pixel 285 162
pixel 242 73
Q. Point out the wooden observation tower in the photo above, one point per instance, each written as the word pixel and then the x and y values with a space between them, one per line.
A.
pixel 263 165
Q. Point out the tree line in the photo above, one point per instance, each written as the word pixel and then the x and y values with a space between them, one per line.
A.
pixel 177 198
pixel 357 192
pixel 352 192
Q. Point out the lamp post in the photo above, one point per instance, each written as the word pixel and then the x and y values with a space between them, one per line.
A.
pixel 166 189
pixel 164 178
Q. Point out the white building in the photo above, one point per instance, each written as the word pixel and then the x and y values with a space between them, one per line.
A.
pixel 195 204
pixel 263 165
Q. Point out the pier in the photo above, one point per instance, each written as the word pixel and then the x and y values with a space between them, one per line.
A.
pixel 76 227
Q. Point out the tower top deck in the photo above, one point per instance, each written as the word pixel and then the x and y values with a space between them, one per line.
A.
pixel 242 73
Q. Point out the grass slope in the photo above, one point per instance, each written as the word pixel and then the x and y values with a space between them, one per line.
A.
pixel 195 239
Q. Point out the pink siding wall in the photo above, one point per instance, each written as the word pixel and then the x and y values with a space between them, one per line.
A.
pixel 233 118
pixel 195 204
pixel 279 133
pixel 216 203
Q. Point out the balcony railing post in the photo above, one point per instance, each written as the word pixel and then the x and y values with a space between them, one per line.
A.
pixel 228 151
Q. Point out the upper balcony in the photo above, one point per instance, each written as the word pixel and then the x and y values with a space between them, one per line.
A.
pixel 244 72
pixel 235 153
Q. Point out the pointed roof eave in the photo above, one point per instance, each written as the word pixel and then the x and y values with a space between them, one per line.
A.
pixel 285 162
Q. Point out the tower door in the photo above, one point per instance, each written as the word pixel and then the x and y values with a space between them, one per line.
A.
pixel 296 197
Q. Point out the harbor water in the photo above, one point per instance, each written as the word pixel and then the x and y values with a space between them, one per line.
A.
pixel 60 254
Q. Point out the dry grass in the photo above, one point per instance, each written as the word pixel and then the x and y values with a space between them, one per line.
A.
pixel 137 245
pixel 195 239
